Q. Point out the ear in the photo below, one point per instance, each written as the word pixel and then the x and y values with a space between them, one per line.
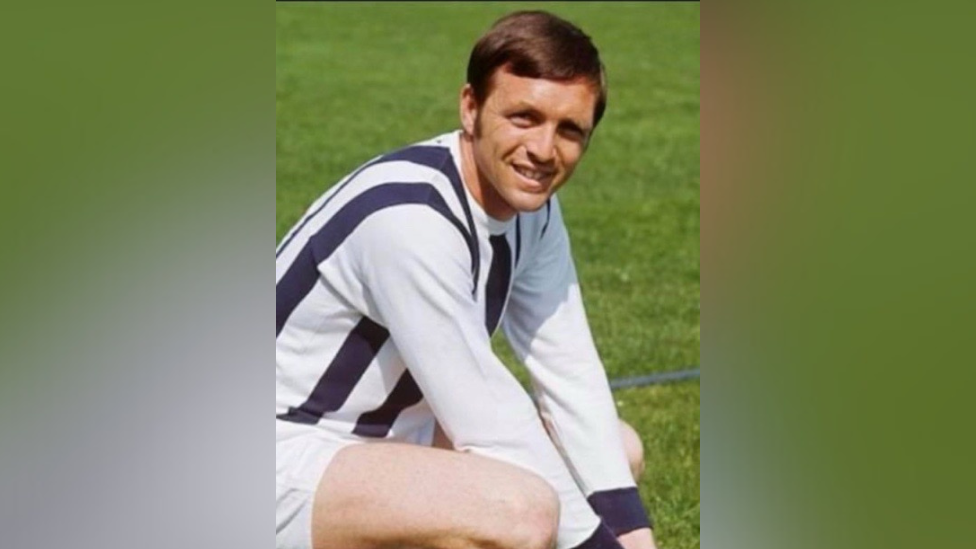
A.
pixel 468 109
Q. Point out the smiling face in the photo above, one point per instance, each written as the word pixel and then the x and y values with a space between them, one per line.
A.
pixel 524 142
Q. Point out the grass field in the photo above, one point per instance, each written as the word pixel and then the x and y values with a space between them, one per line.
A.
pixel 356 80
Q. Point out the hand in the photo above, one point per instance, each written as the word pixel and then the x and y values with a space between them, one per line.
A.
pixel 638 539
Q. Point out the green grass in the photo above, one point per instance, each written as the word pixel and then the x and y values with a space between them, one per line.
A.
pixel 356 80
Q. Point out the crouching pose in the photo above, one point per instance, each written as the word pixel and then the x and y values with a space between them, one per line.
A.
pixel 397 426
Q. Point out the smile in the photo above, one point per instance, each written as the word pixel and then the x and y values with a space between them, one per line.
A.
pixel 535 176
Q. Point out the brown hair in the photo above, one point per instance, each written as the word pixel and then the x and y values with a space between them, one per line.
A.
pixel 537 44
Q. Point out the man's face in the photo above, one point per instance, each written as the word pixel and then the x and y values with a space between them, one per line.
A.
pixel 525 139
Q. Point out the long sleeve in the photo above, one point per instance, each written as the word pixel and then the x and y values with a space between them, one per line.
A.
pixel 416 269
pixel 547 328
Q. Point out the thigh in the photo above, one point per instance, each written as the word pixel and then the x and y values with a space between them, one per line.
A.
pixel 403 495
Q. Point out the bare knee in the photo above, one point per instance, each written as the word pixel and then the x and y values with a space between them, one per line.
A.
pixel 526 516
pixel 634 449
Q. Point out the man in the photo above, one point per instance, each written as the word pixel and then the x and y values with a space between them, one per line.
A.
pixel 396 425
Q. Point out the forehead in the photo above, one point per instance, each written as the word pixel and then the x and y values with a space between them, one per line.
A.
pixel 573 100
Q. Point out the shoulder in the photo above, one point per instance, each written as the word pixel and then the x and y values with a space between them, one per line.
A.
pixel 431 160
pixel 413 244
pixel 413 224
pixel 421 173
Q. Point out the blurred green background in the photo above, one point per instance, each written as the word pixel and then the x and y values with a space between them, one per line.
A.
pixel 354 80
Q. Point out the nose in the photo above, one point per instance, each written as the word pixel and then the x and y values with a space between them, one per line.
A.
pixel 541 145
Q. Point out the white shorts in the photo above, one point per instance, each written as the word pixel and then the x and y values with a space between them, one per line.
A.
pixel 301 456
pixel 299 463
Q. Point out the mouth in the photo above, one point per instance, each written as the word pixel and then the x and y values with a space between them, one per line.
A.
pixel 538 180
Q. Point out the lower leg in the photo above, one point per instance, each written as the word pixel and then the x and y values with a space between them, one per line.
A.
pixel 634 449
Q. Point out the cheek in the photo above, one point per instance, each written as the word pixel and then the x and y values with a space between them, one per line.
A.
pixel 503 135
pixel 488 159
pixel 570 156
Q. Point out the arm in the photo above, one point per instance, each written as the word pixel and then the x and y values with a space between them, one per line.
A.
pixel 416 271
pixel 547 328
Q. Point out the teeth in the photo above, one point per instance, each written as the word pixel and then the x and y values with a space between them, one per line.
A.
pixel 531 174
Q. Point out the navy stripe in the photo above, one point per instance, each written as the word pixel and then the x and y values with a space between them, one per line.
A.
pixel 391 157
pixel 377 424
pixel 548 216
pixel 602 538
pixel 303 273
pixel 518 238
pixel 294 286
pixel 342 376
pixel 499 277
pixel 437 158
pixel 621 510
pixel 312 215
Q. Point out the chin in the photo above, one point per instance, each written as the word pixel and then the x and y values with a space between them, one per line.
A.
pixel 530 203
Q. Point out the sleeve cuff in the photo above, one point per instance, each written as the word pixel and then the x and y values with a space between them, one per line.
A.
pixel 621 510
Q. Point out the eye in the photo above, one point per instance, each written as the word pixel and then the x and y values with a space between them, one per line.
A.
pixel 522 119
pixel 572 132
